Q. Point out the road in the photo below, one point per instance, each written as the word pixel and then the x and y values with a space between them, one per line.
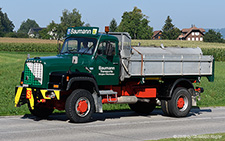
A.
pixel 110 126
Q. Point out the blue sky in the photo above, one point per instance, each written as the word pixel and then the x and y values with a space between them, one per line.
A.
pixel 202 13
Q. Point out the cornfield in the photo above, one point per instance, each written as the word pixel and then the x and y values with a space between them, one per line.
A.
pixel 37 45
pixel 28 47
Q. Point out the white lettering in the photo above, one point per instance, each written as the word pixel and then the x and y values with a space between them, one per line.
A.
pixel 106 70
pixel 80 31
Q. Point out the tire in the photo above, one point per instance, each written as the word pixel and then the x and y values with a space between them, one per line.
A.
pixel 80 106
pixel 180 103
pixel 142 107
pixel 41 111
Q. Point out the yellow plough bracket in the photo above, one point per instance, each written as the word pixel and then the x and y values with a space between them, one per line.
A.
pixel 29 95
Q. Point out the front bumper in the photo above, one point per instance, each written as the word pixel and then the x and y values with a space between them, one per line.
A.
pixel 33 95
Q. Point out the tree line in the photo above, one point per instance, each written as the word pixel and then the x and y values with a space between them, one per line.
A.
pixel 134 22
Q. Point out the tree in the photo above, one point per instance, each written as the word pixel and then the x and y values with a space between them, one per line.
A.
pixel 87 25
pixel 113 25
pixel 27 25
pixel 54 31
pixel 170 32
pixel 5 24
pixel 69 19
pixel 44 34
pixel 213 36
pixel 136 24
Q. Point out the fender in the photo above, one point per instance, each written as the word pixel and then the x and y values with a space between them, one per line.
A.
pixel 183 82
pixel 88 79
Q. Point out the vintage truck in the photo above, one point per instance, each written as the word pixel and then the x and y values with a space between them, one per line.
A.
pixel 94 68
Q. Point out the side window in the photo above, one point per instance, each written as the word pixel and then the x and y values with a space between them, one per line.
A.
pixel 103 46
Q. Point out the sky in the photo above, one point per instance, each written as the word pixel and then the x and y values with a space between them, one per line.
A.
pixel 184 13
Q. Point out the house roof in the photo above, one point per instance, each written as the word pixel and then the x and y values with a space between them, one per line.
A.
pixel 192 28
pixel 34 30
pixel 187 31
pixel 156 32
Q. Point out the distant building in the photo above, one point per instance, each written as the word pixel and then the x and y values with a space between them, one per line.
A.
pixel 33 32
pixel 192 34
pixel 157 35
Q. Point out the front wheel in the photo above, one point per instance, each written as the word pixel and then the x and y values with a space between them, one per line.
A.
pixel 41 110
pixel 180 103
pixel 80 106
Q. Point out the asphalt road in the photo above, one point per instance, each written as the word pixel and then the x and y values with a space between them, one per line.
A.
pixel 119 125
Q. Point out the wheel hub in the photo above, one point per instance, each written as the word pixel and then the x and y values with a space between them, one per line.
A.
pixel 82 106
pixel 180 103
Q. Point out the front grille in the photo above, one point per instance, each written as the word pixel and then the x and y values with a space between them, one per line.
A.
pixel 33 73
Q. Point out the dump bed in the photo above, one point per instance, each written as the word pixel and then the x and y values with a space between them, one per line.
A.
pixel 162 61
pixel 168 61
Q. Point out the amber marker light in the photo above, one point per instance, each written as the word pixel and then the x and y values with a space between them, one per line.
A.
pixel 67 78
pixel 55 86
pixel 106 29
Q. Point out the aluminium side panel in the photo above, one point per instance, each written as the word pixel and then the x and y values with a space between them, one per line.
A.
pixel 169 65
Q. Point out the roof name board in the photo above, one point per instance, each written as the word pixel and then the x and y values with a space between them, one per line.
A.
pixel 82 31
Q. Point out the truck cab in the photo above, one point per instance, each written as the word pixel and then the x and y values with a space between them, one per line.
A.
pixel 96 54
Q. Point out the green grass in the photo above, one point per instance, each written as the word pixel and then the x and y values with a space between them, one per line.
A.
pixel 206 137
pixel 11 66
pixel 214 94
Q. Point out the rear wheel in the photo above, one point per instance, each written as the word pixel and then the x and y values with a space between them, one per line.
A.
pixel 80 106
pixel 180 103
pixel 142 107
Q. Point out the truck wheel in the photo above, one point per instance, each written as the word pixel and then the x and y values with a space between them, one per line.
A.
pixel 142 107
pixel 80 106
pixel 180 103
pixel 40 111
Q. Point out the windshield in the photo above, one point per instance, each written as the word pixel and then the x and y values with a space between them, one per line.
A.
pixel 79 45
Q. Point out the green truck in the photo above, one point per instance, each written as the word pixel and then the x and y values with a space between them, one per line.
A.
pixel 94 68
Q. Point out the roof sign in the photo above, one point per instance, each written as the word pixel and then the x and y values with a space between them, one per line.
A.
pixel 82 31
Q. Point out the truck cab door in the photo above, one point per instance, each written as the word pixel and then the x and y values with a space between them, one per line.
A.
pixel 107 63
